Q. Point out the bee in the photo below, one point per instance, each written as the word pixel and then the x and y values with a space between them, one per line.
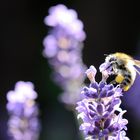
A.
pixel 122 66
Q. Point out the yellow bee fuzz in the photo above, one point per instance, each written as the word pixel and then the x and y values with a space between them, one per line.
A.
pixel 126 88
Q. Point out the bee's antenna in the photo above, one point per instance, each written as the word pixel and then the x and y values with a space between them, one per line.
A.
pixel 105 54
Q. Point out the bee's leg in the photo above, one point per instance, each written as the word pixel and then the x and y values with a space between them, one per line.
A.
pixel 117 85
pixel 113 82
pixel 115 69
pixel 124 85
pixel 121 85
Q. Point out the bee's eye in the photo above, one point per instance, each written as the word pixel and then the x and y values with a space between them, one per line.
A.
pixel 112 59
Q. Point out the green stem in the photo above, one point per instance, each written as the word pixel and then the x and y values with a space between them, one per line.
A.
pixel 78 124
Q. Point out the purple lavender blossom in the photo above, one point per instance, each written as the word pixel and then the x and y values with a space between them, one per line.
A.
pixel 60 15
pixel 102 117
pixel 63 48
pixel 23 123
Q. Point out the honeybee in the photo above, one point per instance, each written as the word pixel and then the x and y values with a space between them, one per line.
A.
pixel 123 67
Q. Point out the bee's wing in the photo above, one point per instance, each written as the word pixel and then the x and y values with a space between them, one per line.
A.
pixel 137 64
pixel 106 54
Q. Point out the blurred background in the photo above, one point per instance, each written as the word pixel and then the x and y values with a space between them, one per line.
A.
pixel 110 26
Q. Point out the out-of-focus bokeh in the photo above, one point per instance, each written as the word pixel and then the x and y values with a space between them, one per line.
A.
pixel 110 26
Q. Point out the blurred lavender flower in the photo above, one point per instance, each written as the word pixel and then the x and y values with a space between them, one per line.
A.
pixel 63 48
pixel 100 110
pixel 66 19
pixel 23 123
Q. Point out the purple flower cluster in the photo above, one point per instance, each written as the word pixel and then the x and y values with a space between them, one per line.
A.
pixel 23 123
pixel 102 117
pixel 61 16
pixel 63 48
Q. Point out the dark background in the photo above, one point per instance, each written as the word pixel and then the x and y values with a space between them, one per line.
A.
pixel 110 26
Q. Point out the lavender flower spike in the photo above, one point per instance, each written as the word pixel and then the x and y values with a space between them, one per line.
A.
pixel 102 117
pixel 23 123
pixel 63 49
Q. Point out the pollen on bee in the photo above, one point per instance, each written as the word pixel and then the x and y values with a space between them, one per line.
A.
pixel 119 78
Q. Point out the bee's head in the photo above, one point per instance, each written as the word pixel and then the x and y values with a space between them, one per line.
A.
pixel 106 66
pixel 110 58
